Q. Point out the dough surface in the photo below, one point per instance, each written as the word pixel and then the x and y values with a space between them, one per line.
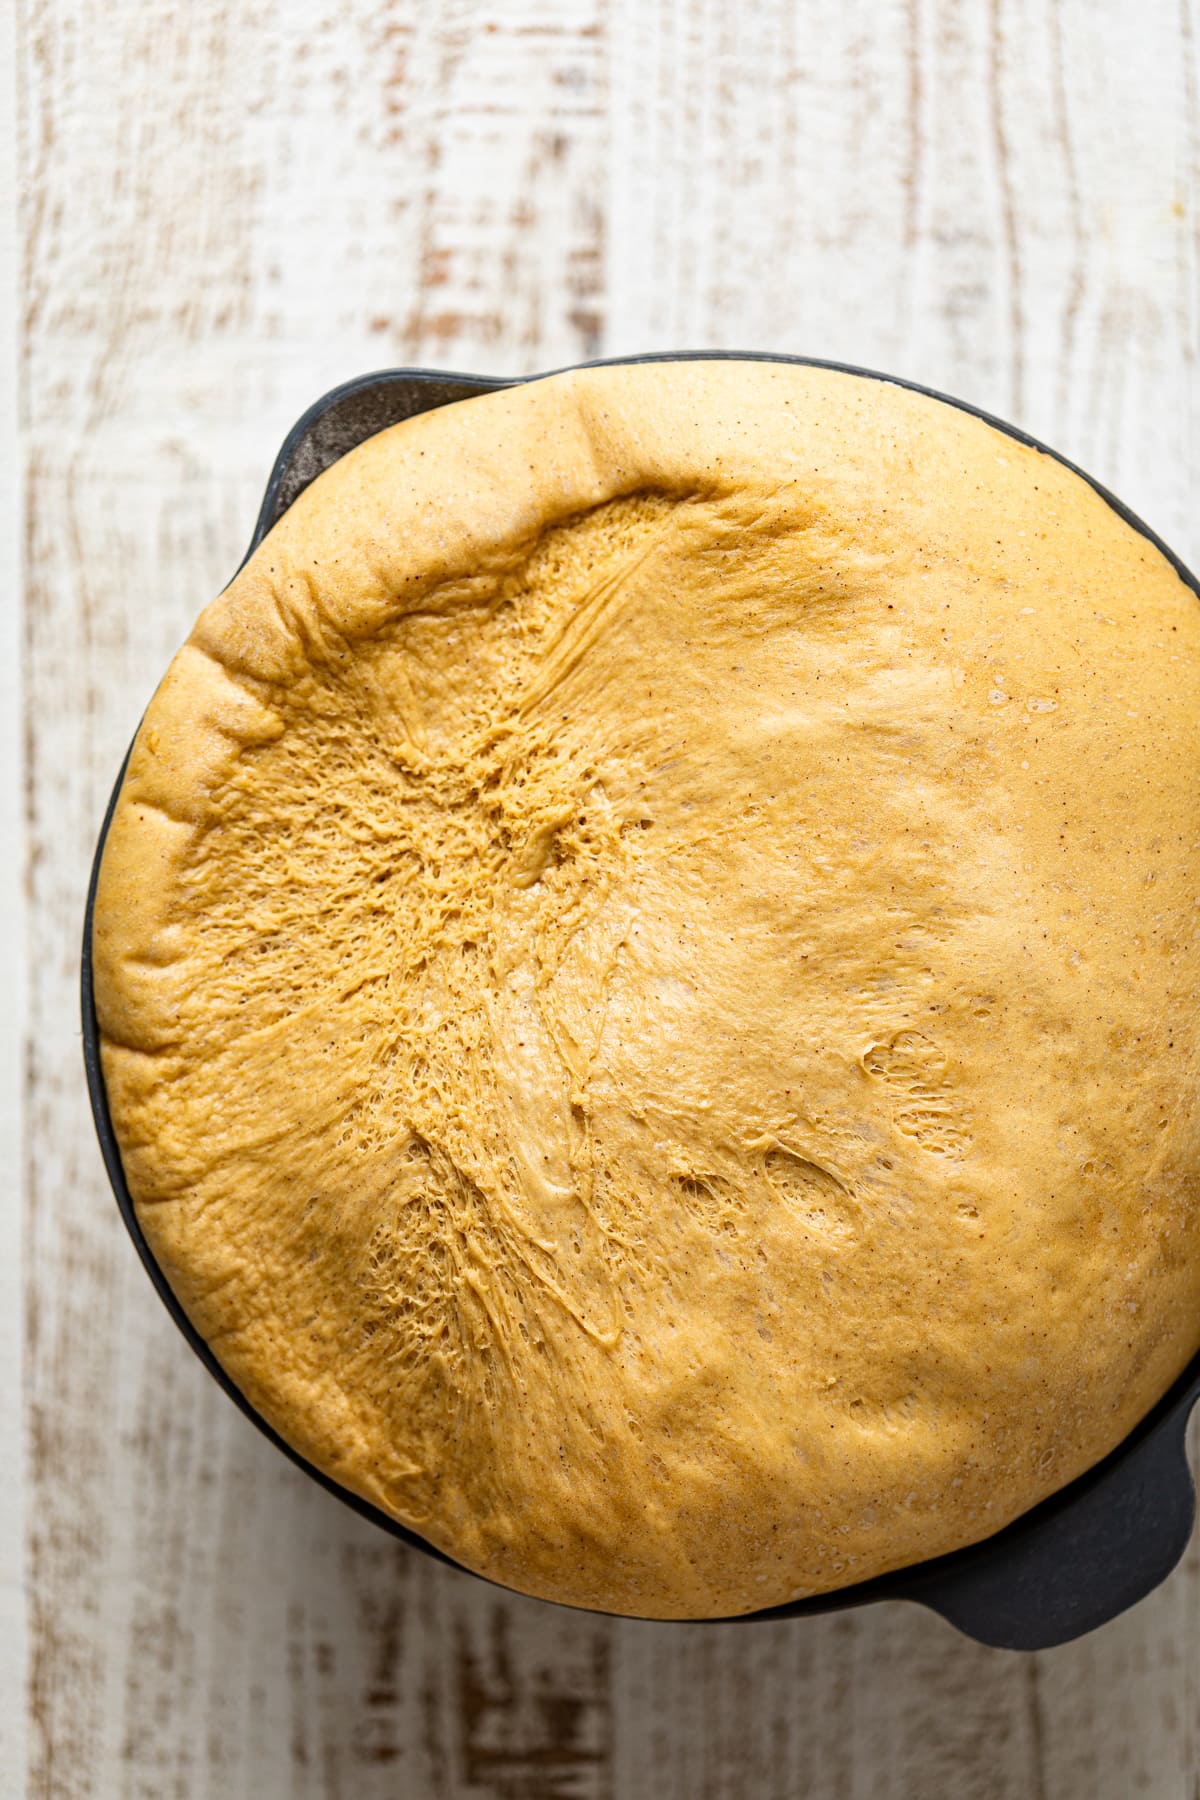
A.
pixel 647 965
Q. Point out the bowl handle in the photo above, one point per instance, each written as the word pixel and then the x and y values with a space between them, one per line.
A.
pixel 1064 1570
pixel 345 417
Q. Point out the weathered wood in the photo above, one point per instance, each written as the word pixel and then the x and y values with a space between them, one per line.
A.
pixel 226 209
pixel 13 1642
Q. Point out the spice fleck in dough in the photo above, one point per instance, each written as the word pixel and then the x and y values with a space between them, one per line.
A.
pixel 647 963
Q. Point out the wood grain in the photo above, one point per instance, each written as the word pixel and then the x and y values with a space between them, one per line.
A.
pixel 13 1640
pixel 225 209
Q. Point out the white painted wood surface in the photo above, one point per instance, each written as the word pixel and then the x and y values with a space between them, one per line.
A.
pixel 13 1644
pixel 223 209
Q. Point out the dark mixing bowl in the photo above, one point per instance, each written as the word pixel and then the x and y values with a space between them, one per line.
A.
pixel 1070 1564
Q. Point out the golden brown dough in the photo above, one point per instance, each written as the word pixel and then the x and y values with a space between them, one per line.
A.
pixel 647 962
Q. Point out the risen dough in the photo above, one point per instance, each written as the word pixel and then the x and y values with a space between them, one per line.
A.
pixel 647 962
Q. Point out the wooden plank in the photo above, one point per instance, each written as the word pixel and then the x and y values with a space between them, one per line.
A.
pixel 999 201
pixel 227 210
pixel 227 214
pixel 13 1637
